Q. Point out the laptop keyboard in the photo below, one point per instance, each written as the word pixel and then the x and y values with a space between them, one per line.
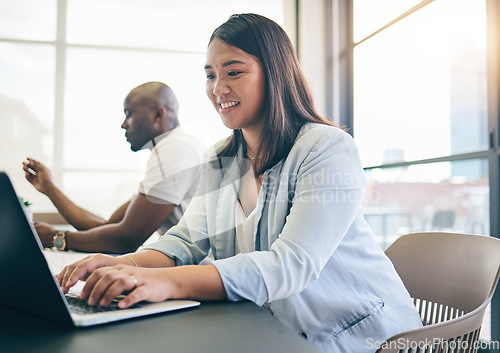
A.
pixel 80 306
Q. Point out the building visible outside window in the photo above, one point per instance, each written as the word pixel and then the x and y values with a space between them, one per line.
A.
pixel 420 92
pixel 420 116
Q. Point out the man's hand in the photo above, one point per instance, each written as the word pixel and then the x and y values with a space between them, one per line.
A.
pixel 38 175
pixel 46 234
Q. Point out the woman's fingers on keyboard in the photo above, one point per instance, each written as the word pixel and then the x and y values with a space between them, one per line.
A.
pixel 81 270
pixel 107 283
pixel 120 284
pixel 135 296
pixel 60 278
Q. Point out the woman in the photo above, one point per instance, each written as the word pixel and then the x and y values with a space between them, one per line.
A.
pixel 278 205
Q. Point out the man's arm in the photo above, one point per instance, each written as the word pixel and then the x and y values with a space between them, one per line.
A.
pixel 39 176
pixel 141 219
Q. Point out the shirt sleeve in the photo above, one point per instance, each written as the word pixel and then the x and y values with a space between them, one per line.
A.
pixel 329 186
pixel 187 242
pixel 173 169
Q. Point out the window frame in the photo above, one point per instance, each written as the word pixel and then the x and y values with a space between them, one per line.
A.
pixel 61 46
pixel 339 19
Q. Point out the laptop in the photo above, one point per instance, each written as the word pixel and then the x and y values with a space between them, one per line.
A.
pixel 28 284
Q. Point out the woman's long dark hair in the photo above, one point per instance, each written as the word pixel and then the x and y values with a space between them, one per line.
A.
pixel 288 102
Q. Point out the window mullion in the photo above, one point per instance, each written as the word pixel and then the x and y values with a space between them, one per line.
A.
pixel 493 26
pixel 58 146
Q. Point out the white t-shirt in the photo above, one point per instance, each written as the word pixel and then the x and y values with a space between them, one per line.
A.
pixel 172 172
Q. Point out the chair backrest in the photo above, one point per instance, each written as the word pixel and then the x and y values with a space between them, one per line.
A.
pixel 452 278
pixel 451 269
pixel 460 334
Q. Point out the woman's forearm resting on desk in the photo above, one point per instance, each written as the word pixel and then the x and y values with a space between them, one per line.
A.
pixel 107 277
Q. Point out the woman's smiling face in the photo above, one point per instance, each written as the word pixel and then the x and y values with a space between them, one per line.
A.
pixel 235 85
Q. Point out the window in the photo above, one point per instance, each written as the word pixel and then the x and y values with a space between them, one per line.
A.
pixel 66 67
pixel 420 86
pixel 445 196
pixel 423 79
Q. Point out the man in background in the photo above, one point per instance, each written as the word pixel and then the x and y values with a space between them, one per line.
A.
pixel 170 181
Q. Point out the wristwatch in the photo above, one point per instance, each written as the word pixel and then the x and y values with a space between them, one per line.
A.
pixel 60 240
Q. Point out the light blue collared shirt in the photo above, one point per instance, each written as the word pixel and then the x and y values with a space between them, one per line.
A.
pixel 317 265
